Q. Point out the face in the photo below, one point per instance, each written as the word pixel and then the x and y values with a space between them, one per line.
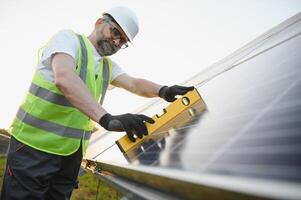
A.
pixel 109 38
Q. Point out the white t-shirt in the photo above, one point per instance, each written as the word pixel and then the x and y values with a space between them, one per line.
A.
pixel 65 42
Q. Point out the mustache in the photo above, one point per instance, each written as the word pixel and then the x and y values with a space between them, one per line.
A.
pixel 106 43
pixel 107 47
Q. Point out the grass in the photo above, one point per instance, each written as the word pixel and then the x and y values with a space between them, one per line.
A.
pixel 88 189
pixel 87 186
pixel 2 168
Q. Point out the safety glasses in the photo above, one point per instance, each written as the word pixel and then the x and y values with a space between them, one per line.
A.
pixel 116 35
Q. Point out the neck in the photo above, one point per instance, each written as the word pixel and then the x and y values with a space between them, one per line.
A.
pixel 92 39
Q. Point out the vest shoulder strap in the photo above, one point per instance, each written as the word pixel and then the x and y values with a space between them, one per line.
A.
pixel 105 78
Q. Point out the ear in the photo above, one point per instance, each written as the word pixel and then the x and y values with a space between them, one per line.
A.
pixel 99 22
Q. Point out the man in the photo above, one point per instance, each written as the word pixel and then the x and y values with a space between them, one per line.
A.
pixel 51 129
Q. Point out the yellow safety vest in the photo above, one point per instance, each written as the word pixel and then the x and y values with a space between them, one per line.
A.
pixel 47 121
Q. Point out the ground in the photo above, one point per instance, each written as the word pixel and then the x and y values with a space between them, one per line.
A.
pixel 87 186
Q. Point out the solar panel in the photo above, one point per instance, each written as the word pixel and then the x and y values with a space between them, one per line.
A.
pixel 251 127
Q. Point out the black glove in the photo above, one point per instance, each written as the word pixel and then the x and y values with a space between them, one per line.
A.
pixel 130 123
pixel 169 93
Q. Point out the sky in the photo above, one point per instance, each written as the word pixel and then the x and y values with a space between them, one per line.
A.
pixel 176 40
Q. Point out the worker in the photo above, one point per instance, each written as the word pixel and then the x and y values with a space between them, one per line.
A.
pixel 50 132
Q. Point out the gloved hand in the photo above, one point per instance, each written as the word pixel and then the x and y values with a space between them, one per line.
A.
pixel 169 93
pixel 130 123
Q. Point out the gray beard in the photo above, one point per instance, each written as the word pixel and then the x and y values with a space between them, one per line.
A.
pixel 106 48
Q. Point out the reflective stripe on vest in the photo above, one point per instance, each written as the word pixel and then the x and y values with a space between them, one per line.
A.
pixel 105 70
pixel 52 127
pixel 84 63
pixel 49 95
pixel 105 79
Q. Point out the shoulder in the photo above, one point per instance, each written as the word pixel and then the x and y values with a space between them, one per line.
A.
pixel 64 41
pixel 115 64
pixel 117 70
pixel 65 33
pixel 64 37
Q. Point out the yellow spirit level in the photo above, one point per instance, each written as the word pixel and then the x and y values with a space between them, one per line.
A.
pixel 191 102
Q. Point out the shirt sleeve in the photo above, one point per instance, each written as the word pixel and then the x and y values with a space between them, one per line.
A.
pixel 62 42
pixel 116 70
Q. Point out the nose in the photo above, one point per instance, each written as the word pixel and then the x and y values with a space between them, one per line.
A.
pixel 116 41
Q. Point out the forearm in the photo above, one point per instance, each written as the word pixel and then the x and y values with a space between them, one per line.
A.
pixel 73 88
pixel 79 96
pixel 146 88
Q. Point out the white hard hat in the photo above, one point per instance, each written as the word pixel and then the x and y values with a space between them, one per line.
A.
pixel 126 19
